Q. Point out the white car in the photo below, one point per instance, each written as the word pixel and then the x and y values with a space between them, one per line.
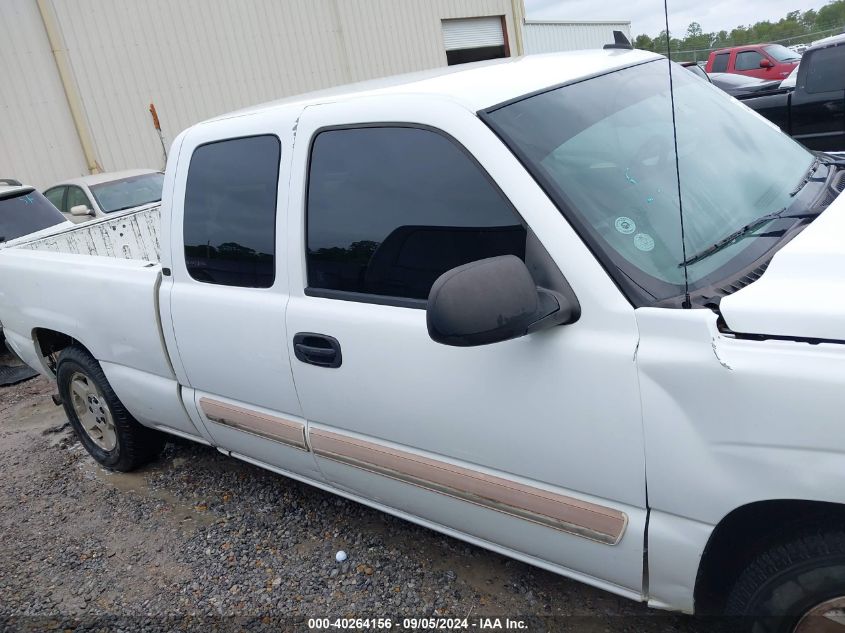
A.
pixel 467 298
pixel 96 196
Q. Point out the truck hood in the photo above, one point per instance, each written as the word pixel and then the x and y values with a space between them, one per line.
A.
pixel 802 293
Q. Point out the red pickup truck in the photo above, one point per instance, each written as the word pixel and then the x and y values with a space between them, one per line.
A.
pixel 765 61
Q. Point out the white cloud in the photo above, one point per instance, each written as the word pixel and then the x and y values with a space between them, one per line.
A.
pixel 647 16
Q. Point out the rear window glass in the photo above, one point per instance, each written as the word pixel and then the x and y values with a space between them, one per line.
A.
pixel 26 213
pixel 720 63
pixel 826 70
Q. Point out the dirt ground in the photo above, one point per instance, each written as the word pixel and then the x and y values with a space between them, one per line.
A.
pixel 201 541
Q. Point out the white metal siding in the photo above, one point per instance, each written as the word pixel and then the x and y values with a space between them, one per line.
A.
pixel 195 59
pixel 38 142
pixel 472 33
pixel 551 37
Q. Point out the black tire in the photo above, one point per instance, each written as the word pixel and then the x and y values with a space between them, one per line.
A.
pixel 135 444
pixel 788 580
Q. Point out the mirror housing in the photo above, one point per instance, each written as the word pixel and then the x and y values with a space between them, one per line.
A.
pixel 492 300
pixel 765 63
pixel 81 209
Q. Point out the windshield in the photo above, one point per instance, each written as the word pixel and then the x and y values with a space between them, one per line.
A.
pixel 26 213
pixel 782 53
pixel 604 150
pixel 126 193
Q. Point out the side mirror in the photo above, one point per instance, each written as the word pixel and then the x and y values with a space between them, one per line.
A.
pixel 492 300
pixel 765 63
pixel 81 209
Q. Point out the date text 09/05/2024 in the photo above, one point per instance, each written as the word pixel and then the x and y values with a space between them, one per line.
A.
pixel 417 623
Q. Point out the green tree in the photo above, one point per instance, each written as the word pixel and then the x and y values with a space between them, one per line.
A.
pixel 694 30
pixel 644 42
pixel 796 27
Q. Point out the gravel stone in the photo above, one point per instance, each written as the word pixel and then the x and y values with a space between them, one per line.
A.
pixel 200 541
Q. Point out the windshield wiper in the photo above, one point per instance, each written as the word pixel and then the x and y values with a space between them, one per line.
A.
pixel 742 232
pixel 827 159
pixel 803 183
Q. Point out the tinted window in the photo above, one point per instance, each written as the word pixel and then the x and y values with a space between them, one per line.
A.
pixel 748 60
pixel 230 212
pixel 56 195
pixel 720 63
pixel 76 197
pixel 826 70
pixel 26 213
pixel 391 209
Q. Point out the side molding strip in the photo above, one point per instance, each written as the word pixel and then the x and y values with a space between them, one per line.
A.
pixel 263 425
pixel 581 518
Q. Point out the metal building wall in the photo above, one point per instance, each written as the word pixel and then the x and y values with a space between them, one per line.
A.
pixel 38 142
pixel 550 37
pixel 200 58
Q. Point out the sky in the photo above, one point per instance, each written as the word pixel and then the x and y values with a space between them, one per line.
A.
pixel 647 16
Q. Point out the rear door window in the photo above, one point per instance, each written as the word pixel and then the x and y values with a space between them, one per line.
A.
pixel 720 63
pixel 230 212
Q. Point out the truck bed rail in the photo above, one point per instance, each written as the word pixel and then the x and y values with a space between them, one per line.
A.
pixel 132 235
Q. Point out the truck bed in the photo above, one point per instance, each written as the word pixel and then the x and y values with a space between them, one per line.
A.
pixel 132 235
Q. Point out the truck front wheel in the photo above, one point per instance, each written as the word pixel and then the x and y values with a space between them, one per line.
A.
pixel 795 586
pixel 106 429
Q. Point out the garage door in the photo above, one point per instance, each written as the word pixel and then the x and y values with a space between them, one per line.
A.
pixel 473 33
pixel 474 39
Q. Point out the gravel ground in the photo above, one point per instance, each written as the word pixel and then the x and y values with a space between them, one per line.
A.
pixel 201 541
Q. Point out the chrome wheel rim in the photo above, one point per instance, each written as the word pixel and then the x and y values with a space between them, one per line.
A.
pixel 828 617
pixel 93 412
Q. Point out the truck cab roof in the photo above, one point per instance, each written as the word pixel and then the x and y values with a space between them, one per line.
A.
pixel 478 85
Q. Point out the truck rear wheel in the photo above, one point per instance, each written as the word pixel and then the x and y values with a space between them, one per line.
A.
pixel 795 586
pixel 106 429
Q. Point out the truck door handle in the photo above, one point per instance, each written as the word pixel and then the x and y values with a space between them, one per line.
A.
pixel 317 349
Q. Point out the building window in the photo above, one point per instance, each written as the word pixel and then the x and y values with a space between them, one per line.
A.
pixel 475 39
pixel 230 212
pixel 390 209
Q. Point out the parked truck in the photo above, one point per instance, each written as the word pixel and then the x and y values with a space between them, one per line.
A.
pixel 763 61
pixel 813 111
pixel 467 298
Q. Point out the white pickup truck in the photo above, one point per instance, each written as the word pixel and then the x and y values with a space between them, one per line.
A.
pixel 468 298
